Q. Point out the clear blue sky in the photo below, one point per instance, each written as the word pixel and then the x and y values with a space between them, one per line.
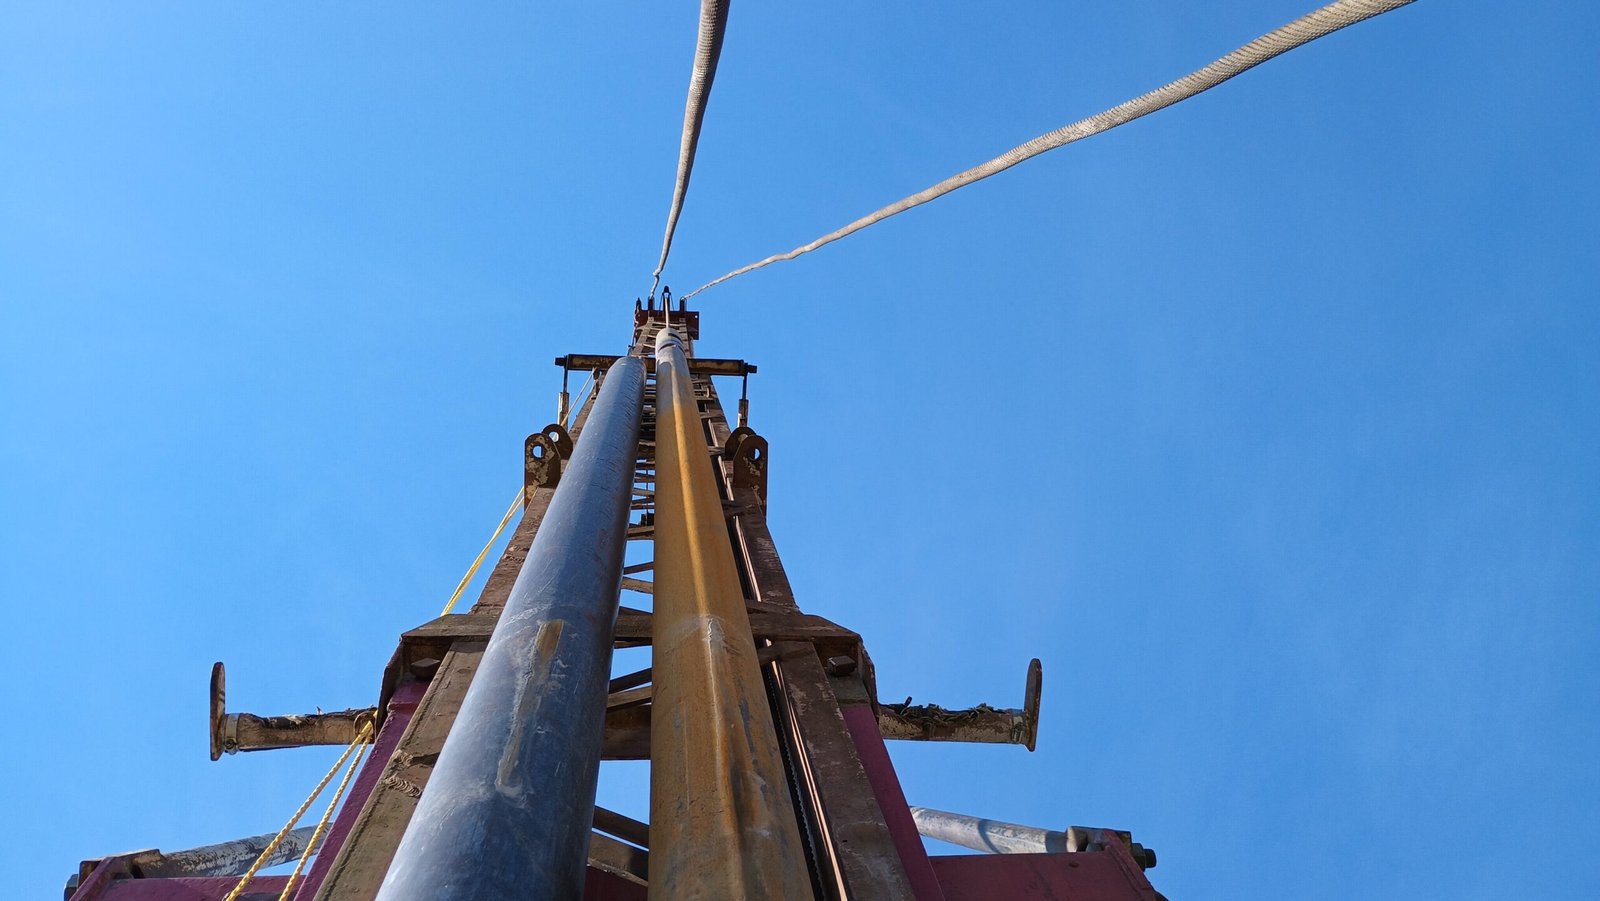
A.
pixel 1269 422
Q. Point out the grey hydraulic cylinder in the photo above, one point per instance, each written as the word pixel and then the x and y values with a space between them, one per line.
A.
pixel 992 836
pixel 507 810
pixel 222 859
pixel 228 858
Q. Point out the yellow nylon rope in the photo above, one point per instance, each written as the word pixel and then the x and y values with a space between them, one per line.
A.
pixel 361 739
pixel 327 816
pixel 581 388
pixel 516 504
pixel 266 853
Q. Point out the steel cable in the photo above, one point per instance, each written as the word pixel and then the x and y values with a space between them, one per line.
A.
pixel 713 20
pixel 1301 31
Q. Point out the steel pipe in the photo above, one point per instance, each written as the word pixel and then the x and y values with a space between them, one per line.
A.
pixel 506 812
pixel 722 825
pixel 992 836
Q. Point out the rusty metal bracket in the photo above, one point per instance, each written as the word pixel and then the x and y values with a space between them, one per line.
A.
pixel 556 432
pixel 981 724
pixel 234 732
pixel 542 454
pixel 747 457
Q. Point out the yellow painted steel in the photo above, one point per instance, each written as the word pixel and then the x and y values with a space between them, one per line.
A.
pixel 722 825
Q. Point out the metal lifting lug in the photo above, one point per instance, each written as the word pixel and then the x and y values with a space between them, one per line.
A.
pixel 542 454
pixel 746 454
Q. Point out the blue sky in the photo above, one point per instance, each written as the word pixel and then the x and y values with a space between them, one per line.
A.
pixel 1268 422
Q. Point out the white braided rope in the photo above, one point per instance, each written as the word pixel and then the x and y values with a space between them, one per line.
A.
pixel 1303 30
pixel 713 20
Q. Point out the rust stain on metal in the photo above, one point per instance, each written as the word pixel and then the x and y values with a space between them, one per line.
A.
pixel 722 824
pixel 404 786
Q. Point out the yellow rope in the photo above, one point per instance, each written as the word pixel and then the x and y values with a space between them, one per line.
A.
pixel 516 503
pixel 472 570
pixel 361 737
pixel 266 853
pixel 327 816
pixel 585 384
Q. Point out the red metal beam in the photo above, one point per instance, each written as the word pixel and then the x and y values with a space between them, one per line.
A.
pixel 1090 876
pixel 401 708
pixel 891 799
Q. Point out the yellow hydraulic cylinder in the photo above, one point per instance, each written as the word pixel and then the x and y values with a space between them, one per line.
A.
pixel 722 825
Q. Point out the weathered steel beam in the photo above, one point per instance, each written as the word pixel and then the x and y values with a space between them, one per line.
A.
pixel 636 627
pixel 630 680
pixel 622 826
pixel 506 810
pixel 618 858
pixel 697 365
pixel 722 825
pixel 248 732
pixel 235 732
pixel 981 724
pixel 627 734
pixel 855 849
pixel 929 722
pixel 631 697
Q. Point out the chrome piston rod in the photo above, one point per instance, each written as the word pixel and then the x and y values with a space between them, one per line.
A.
pixel 992 836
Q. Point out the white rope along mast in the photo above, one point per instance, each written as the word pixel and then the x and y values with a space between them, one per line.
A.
pixel 1303 30
pixel 713 20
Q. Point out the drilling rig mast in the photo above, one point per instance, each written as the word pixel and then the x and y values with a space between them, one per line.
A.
pixel 762 725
